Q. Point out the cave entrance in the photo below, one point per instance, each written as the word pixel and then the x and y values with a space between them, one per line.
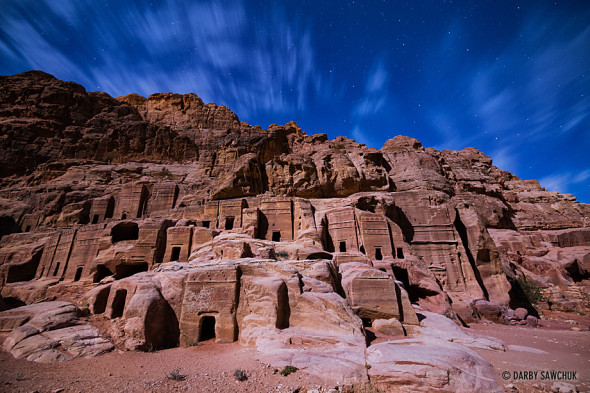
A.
pixel 126 270
pixel 101 272
pixel 207 328
pixel 342 246
pixel 362 249
pixel 175 256
pixel 206 224
pixel 100 304
pixel 229 223
pixel 119 303
pixel 78 273
pixel 378 254
pixel 124 231
pixel 276 236
pixel 95 219
pixel 400 253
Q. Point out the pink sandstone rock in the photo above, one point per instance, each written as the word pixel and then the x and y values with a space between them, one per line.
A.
pixel 178 223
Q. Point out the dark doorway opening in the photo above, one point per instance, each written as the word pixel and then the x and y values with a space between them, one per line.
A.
pixel 175 256
pixel 28 228
pixel 78 273
pixel 125 231
pixel 100 304
pixel 95 219
pixel 378 254
pixel 262 230
pixel 206 224
pixel 276 236
pixel 119 303
pixel 363 250
pixel 56 269
pixel 207 328
pixel 229 223
pixel 326 238
pixel 401 274
pixel 143 199
pixel 161 327
pixel 123 216
pixel 342 246
pixel 400 253
pixel 122 271
pixel 101 272
pixel 110 208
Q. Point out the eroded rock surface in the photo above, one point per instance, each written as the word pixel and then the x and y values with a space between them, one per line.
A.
pixel 173 222
pixel 50 332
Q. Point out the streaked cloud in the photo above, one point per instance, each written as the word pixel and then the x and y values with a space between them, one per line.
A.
pixel 519 102
pixel 505 158
pixel 372 103
pixel 509 79
pixel 563 182
pixel 218 50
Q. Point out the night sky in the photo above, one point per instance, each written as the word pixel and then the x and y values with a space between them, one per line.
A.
pixel 511 78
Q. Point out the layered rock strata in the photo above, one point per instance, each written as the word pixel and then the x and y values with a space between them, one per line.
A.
pixel 179 223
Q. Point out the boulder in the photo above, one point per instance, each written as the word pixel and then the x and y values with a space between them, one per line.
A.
pixel 374 294
pixel 532 320
pixel 389 327
pixel 490 311
pixel 429 365
pixel 520 314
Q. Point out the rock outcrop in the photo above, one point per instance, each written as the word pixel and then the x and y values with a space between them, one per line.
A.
pixel 50 332
pixel 176 223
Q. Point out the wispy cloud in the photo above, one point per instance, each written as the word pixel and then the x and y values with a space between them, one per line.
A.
pixel 505 158
pixel 531 95
pixel 359 135
pixel 373 101
pixel 562 182
pixel 533 90
pixel 219 50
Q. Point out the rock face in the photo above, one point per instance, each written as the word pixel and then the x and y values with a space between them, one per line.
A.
pixel 178 223
pixel 50 332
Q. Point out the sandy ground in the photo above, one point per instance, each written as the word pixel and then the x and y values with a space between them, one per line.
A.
pixel 564 337
pixel 207 367
pixel 210 367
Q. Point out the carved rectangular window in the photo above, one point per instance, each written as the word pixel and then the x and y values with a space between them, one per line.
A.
pixel 342 246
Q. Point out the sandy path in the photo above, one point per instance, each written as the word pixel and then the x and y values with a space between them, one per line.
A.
pixel 565 349
pixel 209 367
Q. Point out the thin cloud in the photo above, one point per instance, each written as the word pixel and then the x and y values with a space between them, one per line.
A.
pixel 360 136
pixel 375 101
pixel 508 99
pixel 562 182
pixel 214 50
pixel 376 92
pixel 506 159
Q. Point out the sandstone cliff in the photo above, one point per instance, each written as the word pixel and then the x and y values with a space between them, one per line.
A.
pixel 260 230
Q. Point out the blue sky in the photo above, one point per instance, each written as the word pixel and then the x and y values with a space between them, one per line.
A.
pixel 511 78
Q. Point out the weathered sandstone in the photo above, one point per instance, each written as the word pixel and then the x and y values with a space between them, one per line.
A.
pixel 171 222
